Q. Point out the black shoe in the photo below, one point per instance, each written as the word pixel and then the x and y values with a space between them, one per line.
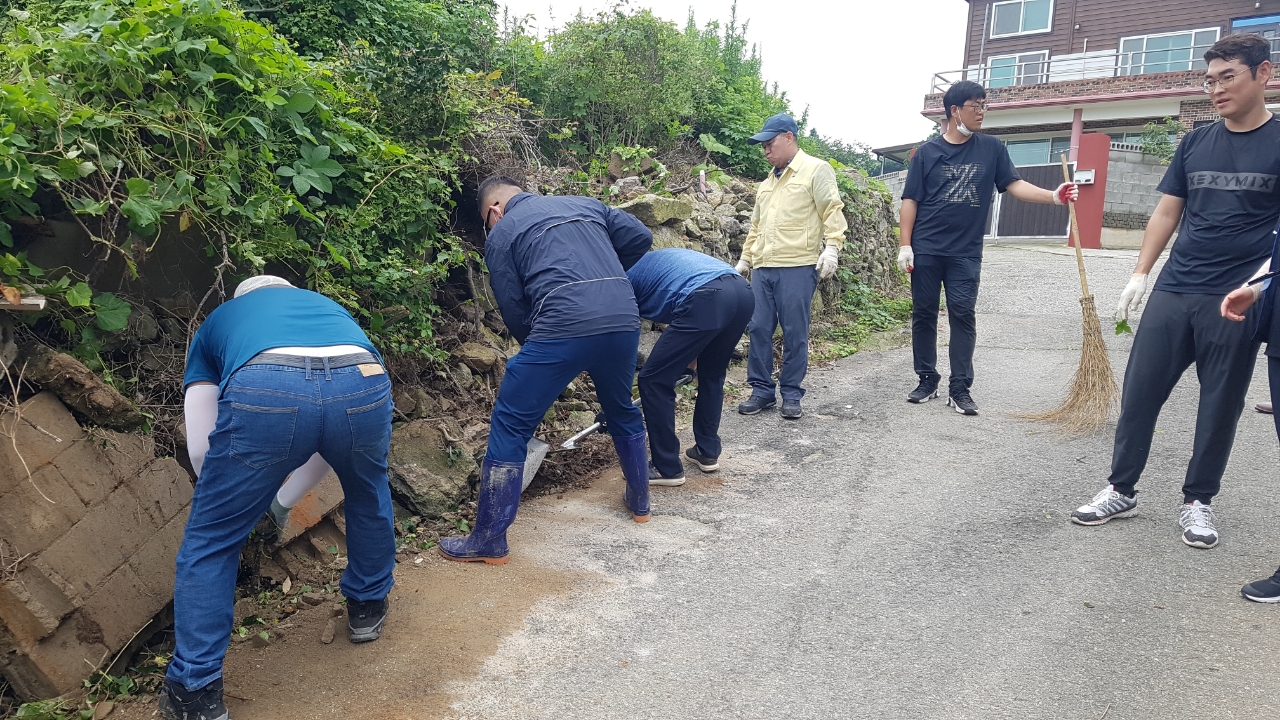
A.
pixel 791 409
pixel 962 402
pixel 179 703
pixel 924 392
pixel 1263 591
pixel 687 378
pixel 364 619
pixel 705 464
pixel 657 478
pixel 756 404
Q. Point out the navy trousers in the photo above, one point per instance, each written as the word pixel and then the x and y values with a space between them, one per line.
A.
pixel 783 296
pixel 707 326
pixel 542 369
pixel 1178 329
pixel 960 276
pixel 271 418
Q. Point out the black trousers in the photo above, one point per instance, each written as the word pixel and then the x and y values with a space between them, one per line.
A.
pixel 707 326
pixel 1178 329
pixel 1273 377
pixel 960 276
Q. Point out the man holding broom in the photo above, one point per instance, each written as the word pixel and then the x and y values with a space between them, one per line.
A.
pixel 944 212
pixel 1222 187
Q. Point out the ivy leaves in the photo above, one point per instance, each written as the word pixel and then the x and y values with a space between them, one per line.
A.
pixel 312 170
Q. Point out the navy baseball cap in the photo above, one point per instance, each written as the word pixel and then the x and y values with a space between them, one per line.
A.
pixel 775 125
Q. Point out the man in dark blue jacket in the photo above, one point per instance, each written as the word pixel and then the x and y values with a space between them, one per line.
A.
pixel 558 269
pixel 1235 307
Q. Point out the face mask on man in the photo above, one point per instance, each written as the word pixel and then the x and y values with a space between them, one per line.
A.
pixel 963 130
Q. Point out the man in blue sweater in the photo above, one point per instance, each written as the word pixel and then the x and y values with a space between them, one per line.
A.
pixel 706 305
pixel 279 374
pixel 558 269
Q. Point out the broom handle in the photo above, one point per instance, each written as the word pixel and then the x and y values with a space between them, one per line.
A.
pixel 1075 230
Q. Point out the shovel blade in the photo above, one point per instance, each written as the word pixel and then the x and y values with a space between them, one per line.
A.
pixel 534 455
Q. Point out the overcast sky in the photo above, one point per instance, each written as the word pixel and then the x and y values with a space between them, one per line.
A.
pixel 861 66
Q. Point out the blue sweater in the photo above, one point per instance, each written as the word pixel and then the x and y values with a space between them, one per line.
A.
pixel 558 267
pixel 664 279
pixel 268 318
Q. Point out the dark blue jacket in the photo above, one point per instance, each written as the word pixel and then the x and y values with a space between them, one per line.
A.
pixel 558 267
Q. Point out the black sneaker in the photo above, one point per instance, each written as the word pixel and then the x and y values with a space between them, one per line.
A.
pixel 1263 591
pixel 364 619
pixel 657 478
pixel 756 404
pixel 687 378
pixel 924 392
pixel 179 703
pixel 705 464
pixel 962 402
pixel 791 409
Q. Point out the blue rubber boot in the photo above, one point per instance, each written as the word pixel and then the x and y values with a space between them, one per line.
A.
pixel 499 499
pixel 634 456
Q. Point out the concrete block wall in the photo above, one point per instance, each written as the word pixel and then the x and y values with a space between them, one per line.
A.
pixel 1132 178
pixel 87 544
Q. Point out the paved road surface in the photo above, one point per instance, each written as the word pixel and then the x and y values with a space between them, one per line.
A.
pixel 883 560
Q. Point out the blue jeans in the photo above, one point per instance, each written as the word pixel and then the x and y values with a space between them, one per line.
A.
pixel 542 369
pixel 960 276
pixel 270 420
pixel 783 296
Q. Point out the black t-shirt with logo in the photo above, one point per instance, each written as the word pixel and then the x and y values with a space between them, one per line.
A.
pixel 953 186
pixel 1229 182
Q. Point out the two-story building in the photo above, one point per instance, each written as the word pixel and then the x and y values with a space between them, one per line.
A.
pixel 1059 70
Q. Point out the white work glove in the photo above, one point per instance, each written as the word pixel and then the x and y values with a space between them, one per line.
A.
pixel 1066 192
pixel 828 261
pixel 906 259
pixel 1131 298
pixel 743 267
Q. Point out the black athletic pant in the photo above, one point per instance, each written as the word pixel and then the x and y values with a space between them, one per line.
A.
pixel 960 276
pixel 1176 330
pixel 1273 377
pixel 707 326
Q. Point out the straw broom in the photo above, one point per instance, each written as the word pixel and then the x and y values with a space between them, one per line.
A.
pixel 1093 388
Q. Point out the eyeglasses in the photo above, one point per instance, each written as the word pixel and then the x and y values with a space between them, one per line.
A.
pixel 980 107
pixel 1225 81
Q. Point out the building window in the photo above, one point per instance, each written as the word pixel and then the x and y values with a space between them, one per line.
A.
pixel 1135 138
pixel 1024 69
pixel 1021 17
pixel 1167 52
pixel 1038 152
pixel 1268 26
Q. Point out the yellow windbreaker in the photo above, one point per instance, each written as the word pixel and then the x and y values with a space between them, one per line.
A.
pixel 795 215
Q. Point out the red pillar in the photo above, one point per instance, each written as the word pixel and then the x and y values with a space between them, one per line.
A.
pixel 1095 151
pixel 1077 129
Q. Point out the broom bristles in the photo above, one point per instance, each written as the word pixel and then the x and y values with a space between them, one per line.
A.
pixel 1093 388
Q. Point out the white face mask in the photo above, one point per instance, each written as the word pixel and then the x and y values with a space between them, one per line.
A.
pixel 963 130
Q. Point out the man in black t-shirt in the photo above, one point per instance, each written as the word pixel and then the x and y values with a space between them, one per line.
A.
pixel 1223 187
pixel 945 202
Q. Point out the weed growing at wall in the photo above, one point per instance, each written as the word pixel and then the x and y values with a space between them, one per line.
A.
pixel 187 110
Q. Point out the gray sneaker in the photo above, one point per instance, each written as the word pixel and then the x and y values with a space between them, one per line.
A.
pixel 1105 506
pixel 1197 525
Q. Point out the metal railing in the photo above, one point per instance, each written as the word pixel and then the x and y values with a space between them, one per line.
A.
pixel 1084 66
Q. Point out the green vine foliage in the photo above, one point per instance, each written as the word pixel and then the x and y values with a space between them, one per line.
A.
pixel 186 111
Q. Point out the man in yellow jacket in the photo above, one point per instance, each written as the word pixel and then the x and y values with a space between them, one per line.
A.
pixel 797 230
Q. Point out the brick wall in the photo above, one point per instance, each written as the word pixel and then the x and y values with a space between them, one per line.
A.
pixel 1193 111
pixel 1189 79
pixel 87 544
